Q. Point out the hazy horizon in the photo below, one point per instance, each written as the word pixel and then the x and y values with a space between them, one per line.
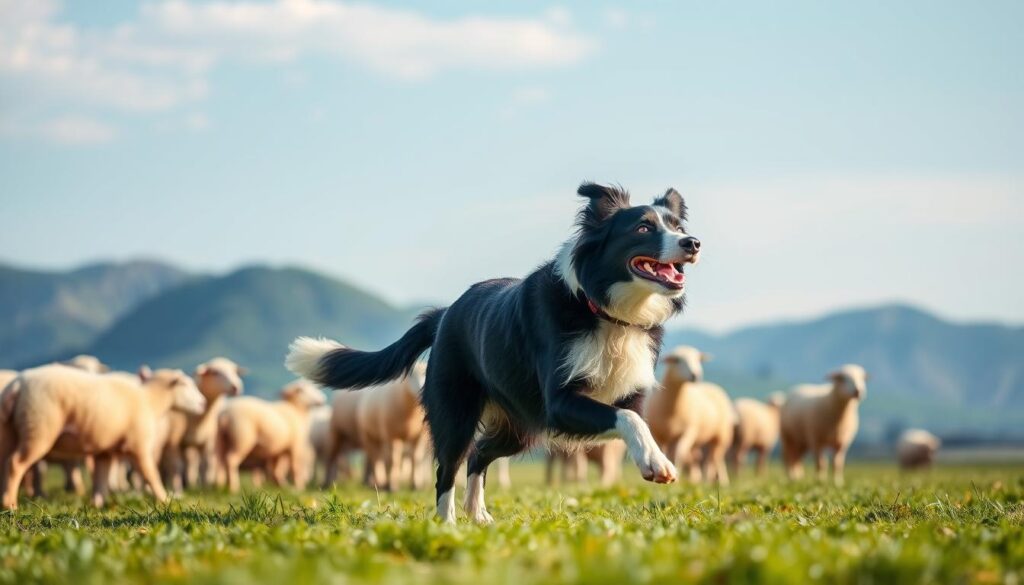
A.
pixel 831 156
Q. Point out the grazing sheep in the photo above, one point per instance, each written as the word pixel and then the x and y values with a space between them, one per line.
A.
pixel 343 436
pixel 189 451
pixel 276 433
pixel 916 449
pixel 75 413
pixel 608 457
pixel 390 421
pixel 816 417
pixel 757 430
pixel 689 415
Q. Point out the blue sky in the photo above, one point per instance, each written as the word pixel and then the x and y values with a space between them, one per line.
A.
pixel 831 155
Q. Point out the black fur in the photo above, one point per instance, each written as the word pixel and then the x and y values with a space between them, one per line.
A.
pixel 504 342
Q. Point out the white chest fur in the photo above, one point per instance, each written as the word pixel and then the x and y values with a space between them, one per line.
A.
pixel 614 360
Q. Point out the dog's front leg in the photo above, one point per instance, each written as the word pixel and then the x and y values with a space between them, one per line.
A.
pixel 572 413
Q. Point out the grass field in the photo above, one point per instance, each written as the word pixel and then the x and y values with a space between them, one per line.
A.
pixel 956 524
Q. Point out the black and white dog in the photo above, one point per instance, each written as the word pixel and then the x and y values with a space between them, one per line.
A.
pixel 569 351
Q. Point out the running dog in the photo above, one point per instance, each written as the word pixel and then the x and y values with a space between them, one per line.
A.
pixel 567 352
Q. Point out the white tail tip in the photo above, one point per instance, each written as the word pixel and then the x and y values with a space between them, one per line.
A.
pixel 304 355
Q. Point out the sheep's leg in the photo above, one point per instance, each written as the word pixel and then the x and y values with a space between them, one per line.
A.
pixel 394 452
pixel 207 465
pixel 100 480
pixel 231 463
pixel 739 458
pixel 838 464
pixel 503 466
pixel 147 467
pixel 279 471
pixel 580 465
pixel 190 477
pixel 791 455
pixel 610 467
pixel 300 463
pixel 549 468
pixel 721 469
pixel 819 463
pixel 419 456
pixel 39 479
pixel 25 456
pixel 762 460
pixel 171 468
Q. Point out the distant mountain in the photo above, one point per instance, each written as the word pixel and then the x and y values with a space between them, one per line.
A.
pixel 250 316
pixel 924 370
pixel 47 312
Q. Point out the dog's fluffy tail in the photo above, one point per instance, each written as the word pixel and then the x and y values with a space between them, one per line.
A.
pixel 329 363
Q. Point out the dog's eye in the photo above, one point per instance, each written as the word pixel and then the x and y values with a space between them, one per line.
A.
pixel 644 228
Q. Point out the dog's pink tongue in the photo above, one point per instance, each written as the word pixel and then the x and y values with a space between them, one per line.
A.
pixel 669 272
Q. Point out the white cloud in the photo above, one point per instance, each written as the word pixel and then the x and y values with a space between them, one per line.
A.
pixel 77 130
pixel 162 58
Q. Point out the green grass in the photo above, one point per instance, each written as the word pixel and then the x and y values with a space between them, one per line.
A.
pixel 956 524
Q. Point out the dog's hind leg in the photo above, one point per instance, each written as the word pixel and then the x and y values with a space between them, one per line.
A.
pixel 454 404
pixel 500 442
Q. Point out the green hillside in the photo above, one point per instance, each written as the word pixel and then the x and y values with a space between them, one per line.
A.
pixel 44 313
pixel 250 316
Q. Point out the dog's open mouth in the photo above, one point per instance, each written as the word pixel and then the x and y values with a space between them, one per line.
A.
pixel 669 275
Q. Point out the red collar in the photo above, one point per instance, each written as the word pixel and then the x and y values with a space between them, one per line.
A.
pixel 602 314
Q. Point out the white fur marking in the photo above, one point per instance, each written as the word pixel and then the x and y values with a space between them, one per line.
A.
pixel 446 506
pixel 642 449
pixel 564 265
pixel 304 355
pixel 475 507
pixel 615 360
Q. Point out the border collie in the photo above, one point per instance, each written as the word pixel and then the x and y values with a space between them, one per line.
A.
pixel 568 352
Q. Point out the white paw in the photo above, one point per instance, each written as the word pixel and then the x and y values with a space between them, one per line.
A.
pixel 482 516
pixel 654 466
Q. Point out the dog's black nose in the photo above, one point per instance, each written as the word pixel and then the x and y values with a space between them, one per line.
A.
pixel 690 244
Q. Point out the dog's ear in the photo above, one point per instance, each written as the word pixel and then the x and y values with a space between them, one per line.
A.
pixel 604 201
pixel 674 202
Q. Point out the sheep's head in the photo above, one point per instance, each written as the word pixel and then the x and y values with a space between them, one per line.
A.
pixel 686 363
pixel 89 363
pixel 185 396
pixel 220 376
pixel 303 394
pixel 850 381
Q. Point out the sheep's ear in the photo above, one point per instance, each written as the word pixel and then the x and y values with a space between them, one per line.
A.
pixel 604 201
pixel 242 371
pixel 706 357
pixel 201 370
pixel 674 202
pixel 834 376
pixel 290 391
pixel 104 368
pixel 145 373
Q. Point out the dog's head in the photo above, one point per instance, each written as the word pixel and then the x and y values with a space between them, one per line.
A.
pixel 630 259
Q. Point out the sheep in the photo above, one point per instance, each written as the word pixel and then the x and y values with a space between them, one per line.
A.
pixel 189 451
pixel 343 436
pixel 273 432
pixel 607 455
pixel 757 430
pixel 76 413
pixel 319 437
pixel 816 417
pixel 390 421
pixel 689 415
pixel 916 449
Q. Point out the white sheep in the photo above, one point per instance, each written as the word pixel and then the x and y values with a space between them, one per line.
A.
pixel 916 448
pixel 189 451
pixel 392 427
pixel 757 430
pixel 817 417
pixel 688 416
pixel 76 413
pixel 276 433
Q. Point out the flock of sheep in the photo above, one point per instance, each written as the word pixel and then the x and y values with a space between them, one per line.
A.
pixel 165 428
